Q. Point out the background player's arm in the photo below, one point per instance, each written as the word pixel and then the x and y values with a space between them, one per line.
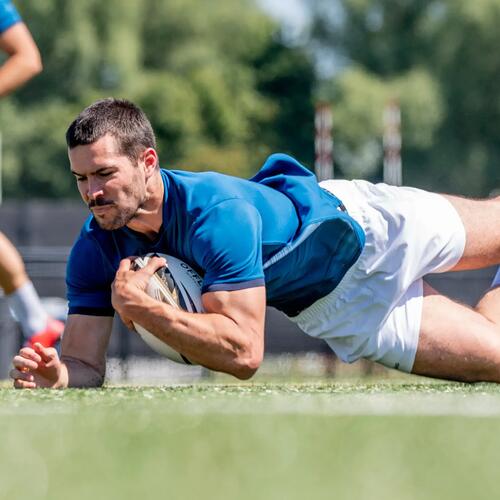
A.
pixel 82 362
pixel 228 337
pixel 23 60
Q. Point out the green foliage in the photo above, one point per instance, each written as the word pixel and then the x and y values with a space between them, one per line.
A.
pixel 439 58
pixel 360 98
pixel 221 89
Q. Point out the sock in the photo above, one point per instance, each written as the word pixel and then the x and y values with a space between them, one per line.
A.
pixel 496 279
pixel 26 307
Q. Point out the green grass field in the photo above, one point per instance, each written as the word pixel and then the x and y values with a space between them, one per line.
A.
pixel 404 440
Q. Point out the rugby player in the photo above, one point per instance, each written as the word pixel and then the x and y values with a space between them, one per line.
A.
pixel 342 259
pixel 23 63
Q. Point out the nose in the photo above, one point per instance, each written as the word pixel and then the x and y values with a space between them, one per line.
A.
pixel 94 189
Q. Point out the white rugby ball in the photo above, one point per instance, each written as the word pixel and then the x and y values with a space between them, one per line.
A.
pixel 176 284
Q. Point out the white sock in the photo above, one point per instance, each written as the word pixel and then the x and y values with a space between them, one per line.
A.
pixel 26 307
pixel 496 279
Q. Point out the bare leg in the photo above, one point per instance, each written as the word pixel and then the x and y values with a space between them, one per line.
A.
pixel 12 271
pixel 23 299
pixel 481 219
pixel 457 342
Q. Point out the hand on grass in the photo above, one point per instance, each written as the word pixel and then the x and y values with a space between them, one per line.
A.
pixel 36 367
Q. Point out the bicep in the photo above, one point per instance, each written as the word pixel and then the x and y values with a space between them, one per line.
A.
pixel 246 308
pixel 86 339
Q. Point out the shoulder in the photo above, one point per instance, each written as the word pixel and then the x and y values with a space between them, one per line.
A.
pixel 8 15
pixel 227 216
pixel 228 233
pixel 205 188
pixel 280 164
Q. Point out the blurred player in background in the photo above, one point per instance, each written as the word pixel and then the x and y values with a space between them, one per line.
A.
pixel 23 62
pixel 343 259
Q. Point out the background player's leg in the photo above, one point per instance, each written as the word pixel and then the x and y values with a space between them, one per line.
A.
pixel 23 299
pixel 457 342
pixel 12 272
pixel 481 219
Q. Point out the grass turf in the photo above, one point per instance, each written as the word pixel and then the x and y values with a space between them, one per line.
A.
pixel 252 441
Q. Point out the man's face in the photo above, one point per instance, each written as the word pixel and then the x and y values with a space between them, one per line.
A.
pixel 109 183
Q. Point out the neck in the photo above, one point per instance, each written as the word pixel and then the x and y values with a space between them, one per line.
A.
pixel 149 217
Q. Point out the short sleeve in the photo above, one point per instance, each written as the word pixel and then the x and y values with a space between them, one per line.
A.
pixel 8 15
pixel 227 243
pixel 88 280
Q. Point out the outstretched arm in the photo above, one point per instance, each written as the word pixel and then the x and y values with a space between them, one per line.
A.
pixel 82 362
pixel 24 61
pixel 228 337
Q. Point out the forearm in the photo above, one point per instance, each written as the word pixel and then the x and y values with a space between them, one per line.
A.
pixel 212 340
pixel 76 373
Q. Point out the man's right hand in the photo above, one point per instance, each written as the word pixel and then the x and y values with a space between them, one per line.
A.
pixel 37 367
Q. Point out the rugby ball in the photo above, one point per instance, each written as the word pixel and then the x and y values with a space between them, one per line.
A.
pixel 176 284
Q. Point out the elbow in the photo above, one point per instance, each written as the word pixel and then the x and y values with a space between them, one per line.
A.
pixel 90 381
pixel 97 382
pixel 247 366
pixel 32 65
pixel 35 66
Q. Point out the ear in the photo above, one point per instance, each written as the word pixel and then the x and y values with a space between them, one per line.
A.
pixel 150 161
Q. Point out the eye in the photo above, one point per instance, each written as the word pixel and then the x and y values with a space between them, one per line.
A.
pixel 80 179
pixel 105 174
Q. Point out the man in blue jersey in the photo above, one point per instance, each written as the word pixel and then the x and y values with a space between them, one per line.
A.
pixel 344 260
pixel 23 62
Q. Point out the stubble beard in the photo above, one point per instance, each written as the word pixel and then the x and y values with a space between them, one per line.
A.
pixel 121 219
pixel 123 215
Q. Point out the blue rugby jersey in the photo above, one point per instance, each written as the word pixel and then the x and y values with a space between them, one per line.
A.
pixel 8 15
pixel 278 229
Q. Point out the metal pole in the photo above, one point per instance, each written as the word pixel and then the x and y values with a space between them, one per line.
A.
pixel 323 142
pixel 393 170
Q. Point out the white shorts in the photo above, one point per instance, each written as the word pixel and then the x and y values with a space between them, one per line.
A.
pixel 376 309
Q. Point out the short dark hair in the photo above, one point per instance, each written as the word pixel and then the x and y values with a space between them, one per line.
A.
pixel 118 117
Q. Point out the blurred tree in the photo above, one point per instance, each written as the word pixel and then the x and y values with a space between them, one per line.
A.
pixel 439 58
pixel 221 88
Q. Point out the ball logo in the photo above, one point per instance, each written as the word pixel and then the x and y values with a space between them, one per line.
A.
pixel 193 274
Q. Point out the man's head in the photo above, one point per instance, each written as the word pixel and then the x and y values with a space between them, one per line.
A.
pixel 119 118
pixel 112 153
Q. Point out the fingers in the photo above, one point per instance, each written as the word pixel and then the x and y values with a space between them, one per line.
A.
pixel 30 362
pixel 154 264
pixel 27 359
pixel 21 375
pixel 125 265
pixel 24 384
pixel 47 354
